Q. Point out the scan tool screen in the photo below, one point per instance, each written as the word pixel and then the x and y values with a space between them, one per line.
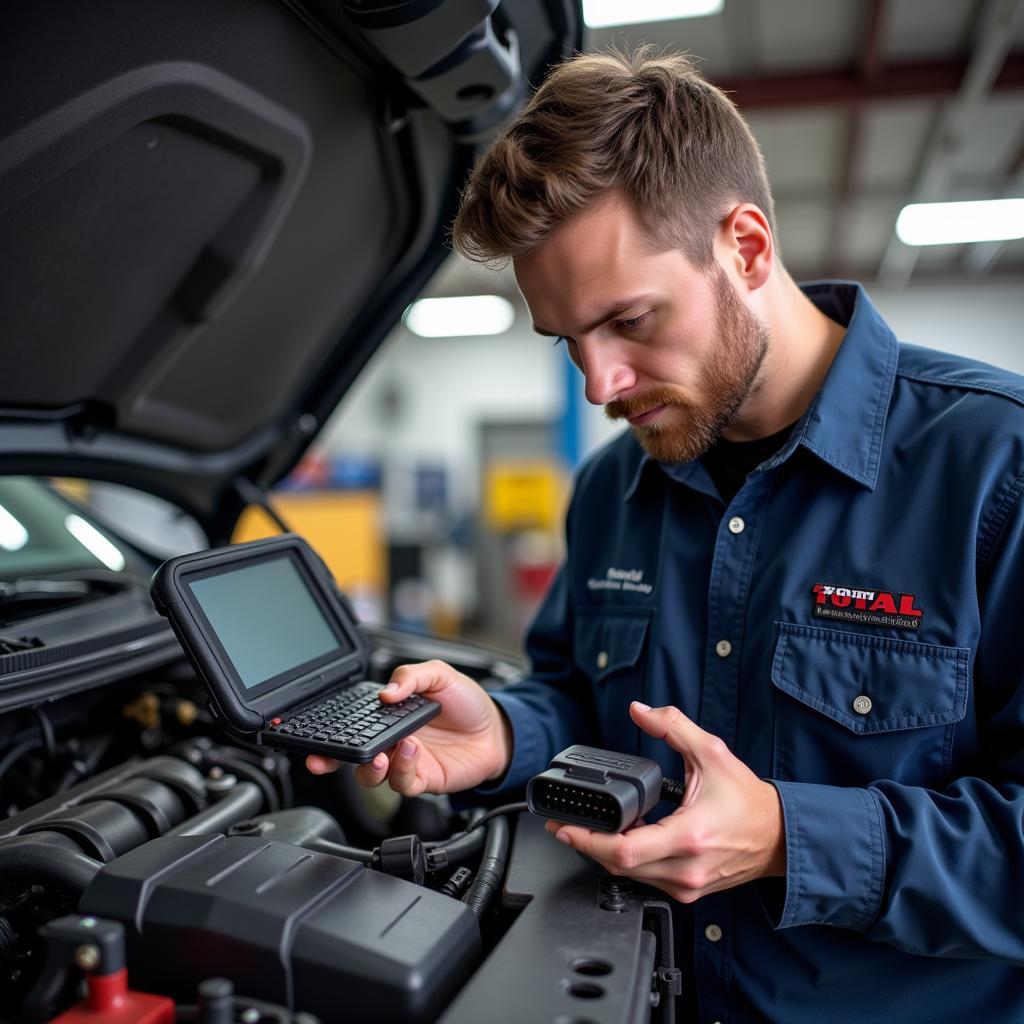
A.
pixel 266 619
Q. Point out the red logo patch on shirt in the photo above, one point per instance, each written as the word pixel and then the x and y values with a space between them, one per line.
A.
pixel 868 607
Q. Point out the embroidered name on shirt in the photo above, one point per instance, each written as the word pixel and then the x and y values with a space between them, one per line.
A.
pixel 621 579
pixel 868 607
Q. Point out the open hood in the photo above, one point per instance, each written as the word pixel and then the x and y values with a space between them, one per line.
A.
pixel 211 213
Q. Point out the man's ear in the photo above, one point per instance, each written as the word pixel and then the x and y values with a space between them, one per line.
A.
pixel 744 245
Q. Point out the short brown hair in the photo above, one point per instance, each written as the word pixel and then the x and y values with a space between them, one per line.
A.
pixel 646 124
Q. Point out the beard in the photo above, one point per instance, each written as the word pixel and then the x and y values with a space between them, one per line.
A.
pixel 691 425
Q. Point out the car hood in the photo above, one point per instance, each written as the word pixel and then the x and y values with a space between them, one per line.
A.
pixel 212 213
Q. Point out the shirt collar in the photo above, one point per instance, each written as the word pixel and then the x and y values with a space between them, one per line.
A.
pixel 845 421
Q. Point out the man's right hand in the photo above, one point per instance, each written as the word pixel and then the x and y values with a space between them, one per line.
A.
pixel 468 743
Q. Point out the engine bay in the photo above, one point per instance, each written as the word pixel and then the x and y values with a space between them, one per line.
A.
pixel 231 884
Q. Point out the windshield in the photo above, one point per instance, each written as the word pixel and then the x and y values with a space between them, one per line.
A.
pixel 43 535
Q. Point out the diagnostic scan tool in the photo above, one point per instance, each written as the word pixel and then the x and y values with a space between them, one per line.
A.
pixel 279 650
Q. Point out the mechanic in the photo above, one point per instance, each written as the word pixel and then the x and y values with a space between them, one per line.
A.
pixel 796 577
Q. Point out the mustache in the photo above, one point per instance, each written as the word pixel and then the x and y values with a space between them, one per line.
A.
pixel 634 405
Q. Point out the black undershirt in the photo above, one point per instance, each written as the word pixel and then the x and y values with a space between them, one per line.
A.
pixel 730 462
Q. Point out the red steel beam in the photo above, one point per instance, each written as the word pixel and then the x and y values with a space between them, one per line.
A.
pixel 897 82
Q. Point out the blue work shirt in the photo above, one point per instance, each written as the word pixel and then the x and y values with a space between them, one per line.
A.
pixel 850 624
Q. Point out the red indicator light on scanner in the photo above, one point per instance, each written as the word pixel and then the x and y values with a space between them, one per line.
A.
pixel 275 721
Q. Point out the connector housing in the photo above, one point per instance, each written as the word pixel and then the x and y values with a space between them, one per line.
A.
pixel 595 788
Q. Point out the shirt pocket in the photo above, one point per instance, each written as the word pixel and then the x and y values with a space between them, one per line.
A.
pixel 610 643
pixel 852 708
pixel 610 650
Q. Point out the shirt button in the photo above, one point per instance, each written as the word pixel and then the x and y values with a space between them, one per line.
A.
pixel 862 704
pixel 712 933
pixel 602 660
pixel 723 648
pixel 736 525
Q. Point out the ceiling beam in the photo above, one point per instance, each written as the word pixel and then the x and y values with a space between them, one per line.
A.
pixel 869 67
pixel 932 80
pixel 971 187
pixel 997 28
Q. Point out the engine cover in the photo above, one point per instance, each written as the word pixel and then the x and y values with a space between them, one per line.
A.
pixel 307 930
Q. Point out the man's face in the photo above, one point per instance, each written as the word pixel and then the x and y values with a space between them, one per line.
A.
pixel 666 346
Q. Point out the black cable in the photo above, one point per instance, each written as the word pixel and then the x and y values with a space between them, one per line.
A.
pixel 673 789
pixel 46 728
pixel 82 767
pixel 442 854
pixel 509 809
pixel 477 820
pixel 491 873
pixel 18 751
pixel 461 847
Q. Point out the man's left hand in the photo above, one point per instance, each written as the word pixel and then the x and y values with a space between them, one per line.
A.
pixel 728 829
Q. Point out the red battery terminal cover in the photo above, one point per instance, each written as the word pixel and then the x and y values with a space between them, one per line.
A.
pixel 110 1001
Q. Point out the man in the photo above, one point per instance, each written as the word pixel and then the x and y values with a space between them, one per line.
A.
pixel 794 577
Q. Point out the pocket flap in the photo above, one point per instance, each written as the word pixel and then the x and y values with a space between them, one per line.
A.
pixel 909 684
pixel 607 642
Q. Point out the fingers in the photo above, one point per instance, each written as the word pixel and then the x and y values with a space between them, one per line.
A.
pixel 374 773
pixel 625 852
pixel 429 677
pixel 398 767
pixel 672 726
pixel 402 774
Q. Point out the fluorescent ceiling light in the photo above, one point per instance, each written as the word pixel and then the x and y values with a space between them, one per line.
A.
pixel 13 536
pixel 93 541
pixel 465 316
pixel 989 220
pixel 602 13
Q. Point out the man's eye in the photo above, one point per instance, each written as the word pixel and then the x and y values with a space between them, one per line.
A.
pixel 633 322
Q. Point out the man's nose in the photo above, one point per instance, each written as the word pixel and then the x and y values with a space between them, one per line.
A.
pixel 606 373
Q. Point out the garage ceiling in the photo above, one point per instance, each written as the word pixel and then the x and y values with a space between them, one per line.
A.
pixel 860 107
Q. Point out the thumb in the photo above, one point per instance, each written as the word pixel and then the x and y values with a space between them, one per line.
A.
pixel 671 725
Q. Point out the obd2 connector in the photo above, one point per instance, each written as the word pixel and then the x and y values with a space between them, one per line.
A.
pixel 599 789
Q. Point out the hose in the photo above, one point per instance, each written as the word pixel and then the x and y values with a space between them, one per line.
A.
pixel 43 858
pixel 241 801
pixel 249 773
pixel 491 872
pixel 46 728
pixel 340 850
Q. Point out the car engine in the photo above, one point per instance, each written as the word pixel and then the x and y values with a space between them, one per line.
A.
pixel 151 870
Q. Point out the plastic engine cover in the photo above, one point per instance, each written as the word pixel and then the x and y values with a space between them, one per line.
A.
pixel 307 930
